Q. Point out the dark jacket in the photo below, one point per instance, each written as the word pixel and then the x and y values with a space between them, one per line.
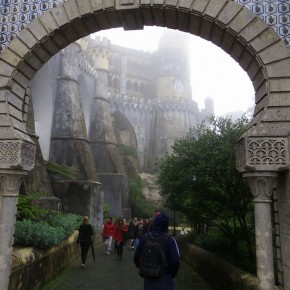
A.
pixel 85 233
pixel 159 228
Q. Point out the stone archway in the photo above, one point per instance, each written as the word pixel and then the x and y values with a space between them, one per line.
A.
pixel 262 151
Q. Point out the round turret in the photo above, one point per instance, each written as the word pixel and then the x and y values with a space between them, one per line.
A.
pixel 209 106
pixel 172 66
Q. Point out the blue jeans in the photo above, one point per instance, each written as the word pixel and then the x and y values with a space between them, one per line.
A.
pixel 164 283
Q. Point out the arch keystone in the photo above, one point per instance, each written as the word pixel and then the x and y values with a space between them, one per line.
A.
pixel 129 15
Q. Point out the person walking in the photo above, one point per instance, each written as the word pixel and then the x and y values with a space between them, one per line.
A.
pixel 169 252
pixel 139 231
pixel 107 234
pixel 135 232
pixel 147 225
pixel 85 239
pixel 120 231
pixel 131 229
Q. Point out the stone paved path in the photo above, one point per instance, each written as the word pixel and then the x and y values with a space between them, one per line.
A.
pixel 109 274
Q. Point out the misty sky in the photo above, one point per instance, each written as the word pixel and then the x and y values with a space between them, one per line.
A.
pixel 214 73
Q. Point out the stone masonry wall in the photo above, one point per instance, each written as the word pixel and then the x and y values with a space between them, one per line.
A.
pixel 15 14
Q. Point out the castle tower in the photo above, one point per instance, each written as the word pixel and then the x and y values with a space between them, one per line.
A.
pixel 174 110
pixel 209 106
pixel 173 66
pixel 208 110
pixel 104 145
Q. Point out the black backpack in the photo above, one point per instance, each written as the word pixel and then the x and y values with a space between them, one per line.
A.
pixel 152 257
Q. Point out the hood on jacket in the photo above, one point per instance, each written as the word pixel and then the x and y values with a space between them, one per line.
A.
pixel 160 222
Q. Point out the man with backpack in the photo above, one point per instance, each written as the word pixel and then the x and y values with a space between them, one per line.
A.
pixel 157 256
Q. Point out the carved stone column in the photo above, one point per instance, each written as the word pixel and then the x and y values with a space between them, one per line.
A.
pixel 261 184
pixel 10 181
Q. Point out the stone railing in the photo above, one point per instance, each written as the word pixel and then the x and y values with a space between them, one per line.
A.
pixel 217 272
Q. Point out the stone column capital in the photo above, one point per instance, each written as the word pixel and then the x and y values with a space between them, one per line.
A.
pixel 10 181
pixel 261 184
pixel 17 154
pixel 262 154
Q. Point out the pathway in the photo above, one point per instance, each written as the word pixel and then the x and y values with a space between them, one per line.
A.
pixel 109 274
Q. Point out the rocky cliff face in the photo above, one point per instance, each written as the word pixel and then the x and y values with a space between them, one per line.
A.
pixel 151 189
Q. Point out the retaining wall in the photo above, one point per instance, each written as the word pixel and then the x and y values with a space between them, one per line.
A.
pixel 217 272
pixel 32 268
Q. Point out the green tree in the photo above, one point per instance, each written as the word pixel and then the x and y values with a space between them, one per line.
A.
pixel 200 179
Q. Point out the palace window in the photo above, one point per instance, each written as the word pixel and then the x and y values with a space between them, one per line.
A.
pixel 179 86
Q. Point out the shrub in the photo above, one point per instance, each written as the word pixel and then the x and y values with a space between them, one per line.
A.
pixel 46 234
pixel 106 210
pixel 68 222
pixel 55 169
pixel 37 234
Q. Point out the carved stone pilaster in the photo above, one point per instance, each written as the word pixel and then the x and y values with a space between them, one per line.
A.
pixel 10 181
pixel 261 184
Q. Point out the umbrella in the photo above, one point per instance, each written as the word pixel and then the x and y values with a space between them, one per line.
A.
pixel 93 251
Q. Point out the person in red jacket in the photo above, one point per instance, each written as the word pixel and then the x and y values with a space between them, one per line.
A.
pixel 120 232
pixel 108 233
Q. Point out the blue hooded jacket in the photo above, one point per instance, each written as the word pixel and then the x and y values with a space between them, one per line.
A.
pixel 158 228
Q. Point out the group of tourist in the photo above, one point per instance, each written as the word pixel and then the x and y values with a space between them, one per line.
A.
pixel 121 233
pixel 117 231
pixel 137 228
pixel 150 240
